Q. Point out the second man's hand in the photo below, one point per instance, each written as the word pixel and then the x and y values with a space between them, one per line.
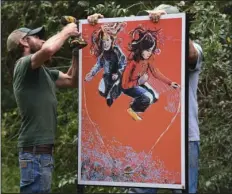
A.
pixel 156 14
pixel 93 19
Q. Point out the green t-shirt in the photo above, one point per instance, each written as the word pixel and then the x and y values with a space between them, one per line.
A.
pixel 34 90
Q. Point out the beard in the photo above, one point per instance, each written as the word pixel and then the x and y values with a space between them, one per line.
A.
pixel 34 49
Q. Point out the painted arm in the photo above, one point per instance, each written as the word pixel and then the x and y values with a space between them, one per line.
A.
pixel 159 76
pixel 121 59
pixel 95 69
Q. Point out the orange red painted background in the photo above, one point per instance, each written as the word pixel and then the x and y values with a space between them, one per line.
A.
pixel 115 123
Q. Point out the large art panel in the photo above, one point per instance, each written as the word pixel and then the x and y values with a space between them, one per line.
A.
pixel 132 102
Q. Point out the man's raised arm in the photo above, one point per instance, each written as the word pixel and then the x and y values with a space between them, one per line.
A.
pixel 52 45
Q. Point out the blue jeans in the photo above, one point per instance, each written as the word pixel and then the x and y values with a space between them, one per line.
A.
pixel 35 172
pixel 193 172
pixel 143 97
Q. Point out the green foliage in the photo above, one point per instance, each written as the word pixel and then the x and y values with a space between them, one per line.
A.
pixel 65 153
pixel 213 29
pixel 108 9
pixel 10 170
pixel 210 25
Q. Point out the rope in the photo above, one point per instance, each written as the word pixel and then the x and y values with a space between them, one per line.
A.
pixel 157 141
pixel 94 125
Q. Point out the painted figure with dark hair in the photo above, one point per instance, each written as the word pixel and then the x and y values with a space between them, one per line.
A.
pixel 143 47
pixel 110 58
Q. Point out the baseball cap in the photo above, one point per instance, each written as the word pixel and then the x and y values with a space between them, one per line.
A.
pixel 14 38
pixel 169 9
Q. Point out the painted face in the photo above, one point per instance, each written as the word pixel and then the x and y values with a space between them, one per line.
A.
pixel 146 54
pixel 35 43
pixel 107 42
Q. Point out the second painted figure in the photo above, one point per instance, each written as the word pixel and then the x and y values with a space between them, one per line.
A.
pixel 140 68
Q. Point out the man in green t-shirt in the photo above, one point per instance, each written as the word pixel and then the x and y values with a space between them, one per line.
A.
pixel 34 90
